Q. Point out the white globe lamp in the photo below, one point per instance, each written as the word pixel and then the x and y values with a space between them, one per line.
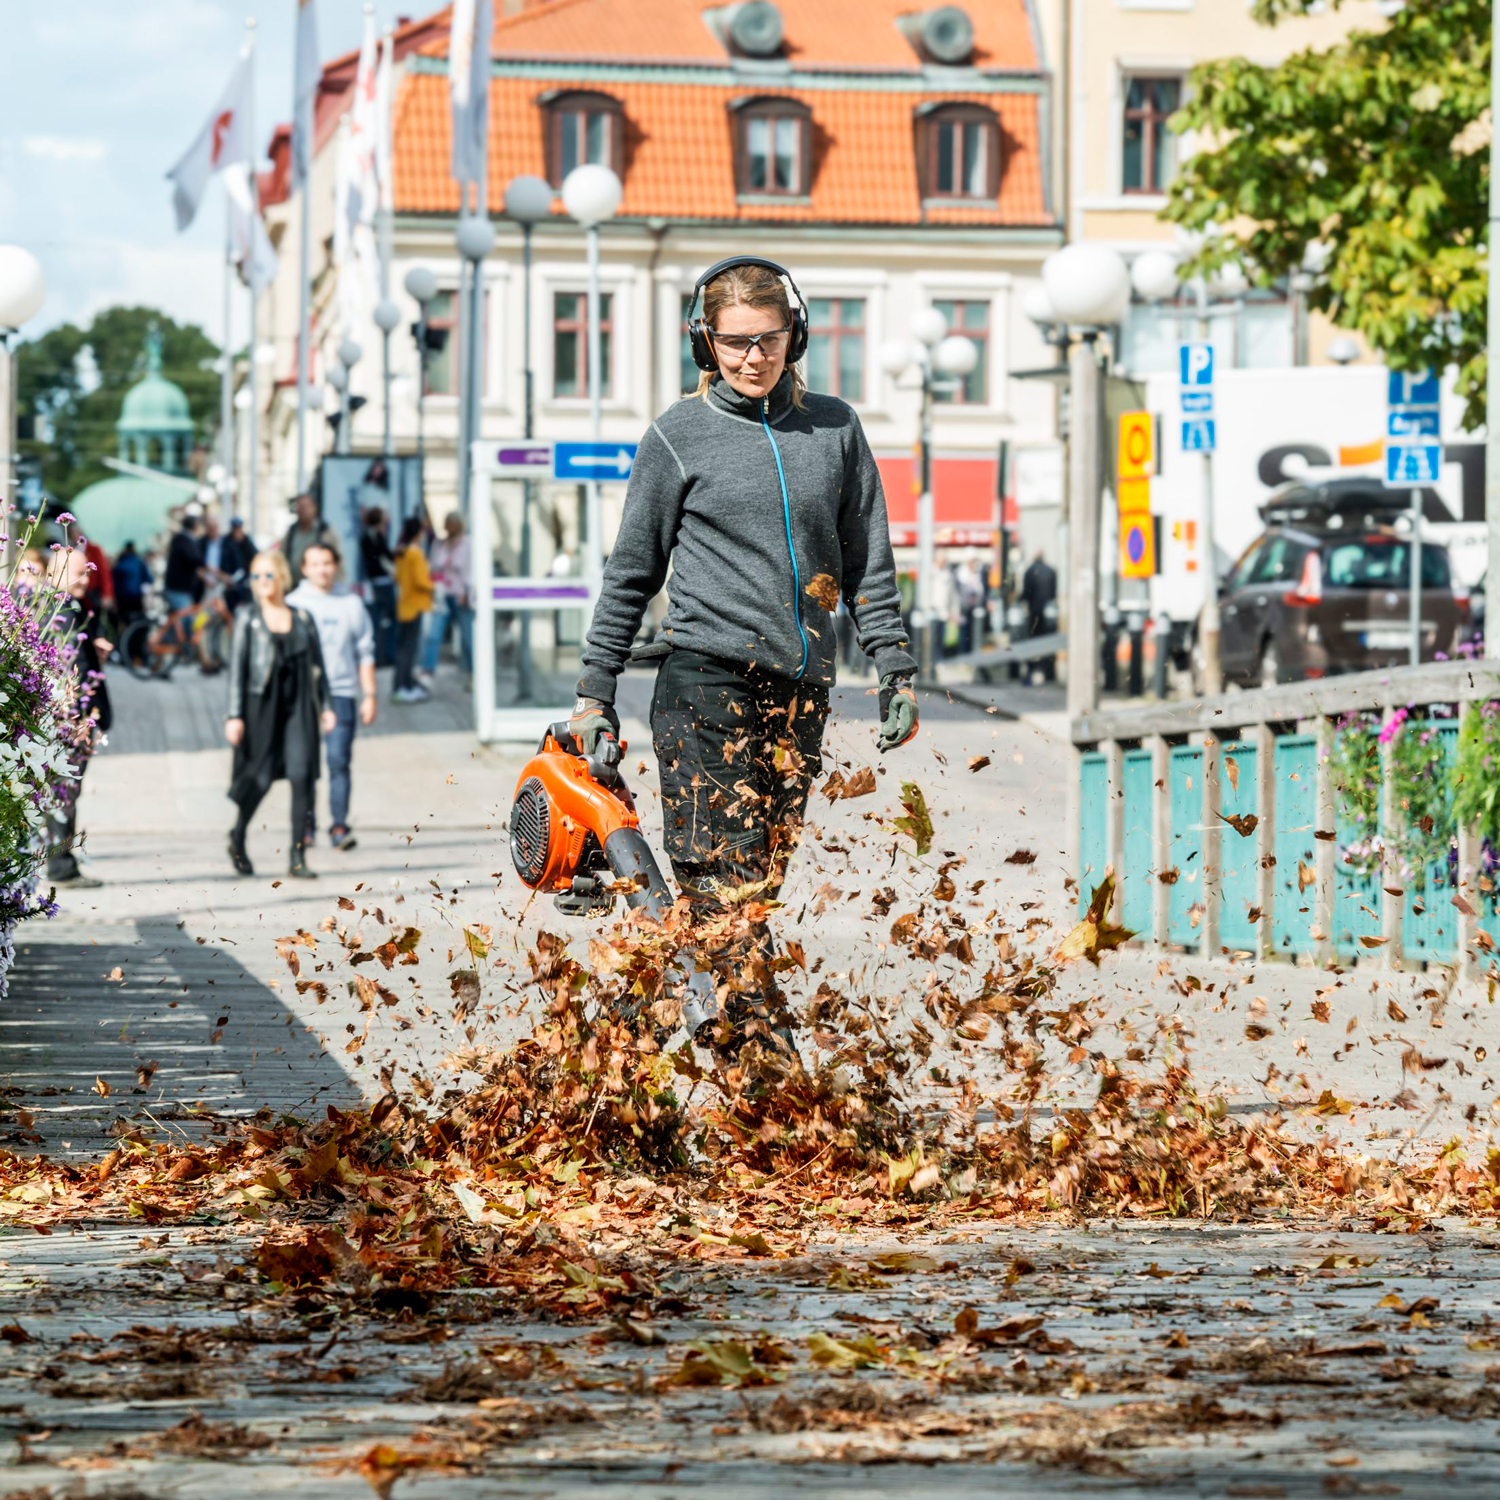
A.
pixel 591 194
pixel 1153 274
pixel 421 284
pixel 242 398
pixel 528 199
pixel 1343 350
pixel 337 377
pixel 1037 305
pixel 23 287
pixel 475 238
pixel 929 326
pixel 897 356
pixel 387 315
pixel 1088 284
pixel 1229 281
pixel 349 353
pixel 956 355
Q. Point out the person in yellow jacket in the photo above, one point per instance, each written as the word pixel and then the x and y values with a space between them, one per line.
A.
pixel 414 595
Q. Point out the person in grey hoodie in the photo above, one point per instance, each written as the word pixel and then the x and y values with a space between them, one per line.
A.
pixel 764 499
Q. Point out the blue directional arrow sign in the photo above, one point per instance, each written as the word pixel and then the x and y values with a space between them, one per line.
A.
pixel 592 460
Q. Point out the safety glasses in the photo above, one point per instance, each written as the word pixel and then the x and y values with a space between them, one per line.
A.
pixel 737 346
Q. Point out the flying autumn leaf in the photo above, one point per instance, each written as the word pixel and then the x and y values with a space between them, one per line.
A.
pixel 822 588
pixel 1093 935
pixel 1243 824
pixel 918 822
pixel 839 788
pixel 1232 771
pixel 978 762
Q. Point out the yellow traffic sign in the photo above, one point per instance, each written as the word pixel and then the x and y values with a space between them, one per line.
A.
pixel 1137 456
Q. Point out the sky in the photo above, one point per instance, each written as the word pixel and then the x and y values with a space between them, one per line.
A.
pixel 103 96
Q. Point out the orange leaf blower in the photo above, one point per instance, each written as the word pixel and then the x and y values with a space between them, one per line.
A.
pixel 574 832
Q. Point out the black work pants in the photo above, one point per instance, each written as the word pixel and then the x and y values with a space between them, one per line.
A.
pixel 738 751
pixel 408 644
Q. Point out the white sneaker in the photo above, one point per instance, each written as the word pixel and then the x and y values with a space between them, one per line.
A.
pixel 408 695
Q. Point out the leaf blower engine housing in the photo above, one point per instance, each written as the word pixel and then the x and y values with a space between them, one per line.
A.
pixel 574 833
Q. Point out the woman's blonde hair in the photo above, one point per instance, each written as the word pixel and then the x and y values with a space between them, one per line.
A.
pixel 279 566
pixel 750 286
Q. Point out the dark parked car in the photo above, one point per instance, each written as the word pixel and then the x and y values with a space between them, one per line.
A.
pixel 1327 589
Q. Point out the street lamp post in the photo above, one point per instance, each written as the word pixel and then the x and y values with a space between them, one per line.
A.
pixel 475 239
pixel 387 319
pixel 940 360
pixel 23 288
pixel 591 194
pixel 348 356
pixel 1087 290
pixel 528 201
pixel 421 286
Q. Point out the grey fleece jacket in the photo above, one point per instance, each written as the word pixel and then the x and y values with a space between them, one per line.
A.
pixel 705 495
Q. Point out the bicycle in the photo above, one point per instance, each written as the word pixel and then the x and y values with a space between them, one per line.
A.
pixel 152 647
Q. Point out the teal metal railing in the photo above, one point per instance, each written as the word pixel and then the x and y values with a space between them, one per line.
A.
pixel 1226 828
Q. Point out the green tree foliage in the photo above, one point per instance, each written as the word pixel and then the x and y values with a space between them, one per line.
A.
pixel 72 380
pixel 1379 148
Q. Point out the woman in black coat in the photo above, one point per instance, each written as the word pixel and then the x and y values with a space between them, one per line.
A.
pixel 279 707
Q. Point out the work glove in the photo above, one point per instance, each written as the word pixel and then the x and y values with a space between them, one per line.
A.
pixel 898 710
pixel 591 721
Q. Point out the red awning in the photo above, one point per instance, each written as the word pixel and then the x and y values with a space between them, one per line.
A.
pixel 965 505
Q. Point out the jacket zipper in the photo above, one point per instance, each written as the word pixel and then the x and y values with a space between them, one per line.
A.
pixel 786 511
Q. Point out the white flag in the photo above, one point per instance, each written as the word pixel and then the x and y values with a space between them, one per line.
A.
pixel 383 122
pixel 305 77
pixel 253 252
pixel 471 30
pixel 362 127
pixel 225 138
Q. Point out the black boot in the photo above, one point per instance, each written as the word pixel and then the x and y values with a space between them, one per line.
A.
pixel 299 870
pixel 237 856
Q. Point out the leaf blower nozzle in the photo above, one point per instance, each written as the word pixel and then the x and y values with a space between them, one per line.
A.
pixel 574 833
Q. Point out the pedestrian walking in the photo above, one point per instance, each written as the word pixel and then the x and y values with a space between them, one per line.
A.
pixel 307 527
pixel 186 572
pixel 414 595
pixel 764 500
pixel 379 565
pixel 71 574
pixel 348 641
pixel 451 561
pixel 1038 594
pixel 133 580
pixel 234 563
pixel 278 706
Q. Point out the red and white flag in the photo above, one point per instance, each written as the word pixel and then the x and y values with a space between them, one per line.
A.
pixel 384 85
pixel 251 245
pixel 362 127
pixel 470 32
pixel 225 138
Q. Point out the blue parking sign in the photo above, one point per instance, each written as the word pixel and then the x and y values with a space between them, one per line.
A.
pixel 1196 364
pixel 1198 435
pixel 1412 388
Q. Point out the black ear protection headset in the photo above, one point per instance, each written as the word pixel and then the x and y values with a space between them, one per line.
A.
pixel 700 335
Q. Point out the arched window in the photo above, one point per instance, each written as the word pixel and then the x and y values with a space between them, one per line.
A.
pixel 958 152
pixel 773 140
pixel 583 126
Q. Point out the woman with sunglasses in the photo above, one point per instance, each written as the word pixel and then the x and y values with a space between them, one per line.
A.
pixel 765 501
pixel 279 707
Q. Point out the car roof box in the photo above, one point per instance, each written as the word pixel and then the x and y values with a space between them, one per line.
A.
pixel 1334 504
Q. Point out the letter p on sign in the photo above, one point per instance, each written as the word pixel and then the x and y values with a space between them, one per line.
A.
pixel 1197 364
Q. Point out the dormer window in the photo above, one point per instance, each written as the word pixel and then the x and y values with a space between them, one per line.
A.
pixel 773 148
pixel 959 147
pixel 583 126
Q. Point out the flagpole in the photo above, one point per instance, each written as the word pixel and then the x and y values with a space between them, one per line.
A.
pixel 385 156
pixel 252 278
pixel 228 456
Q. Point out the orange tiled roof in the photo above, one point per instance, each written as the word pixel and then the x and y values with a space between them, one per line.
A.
pixel 679 153
pixel 818 33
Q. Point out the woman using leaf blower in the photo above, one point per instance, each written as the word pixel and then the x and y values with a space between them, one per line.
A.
pixel 764 499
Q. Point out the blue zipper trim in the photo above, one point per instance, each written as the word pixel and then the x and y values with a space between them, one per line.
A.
pixel 786 511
